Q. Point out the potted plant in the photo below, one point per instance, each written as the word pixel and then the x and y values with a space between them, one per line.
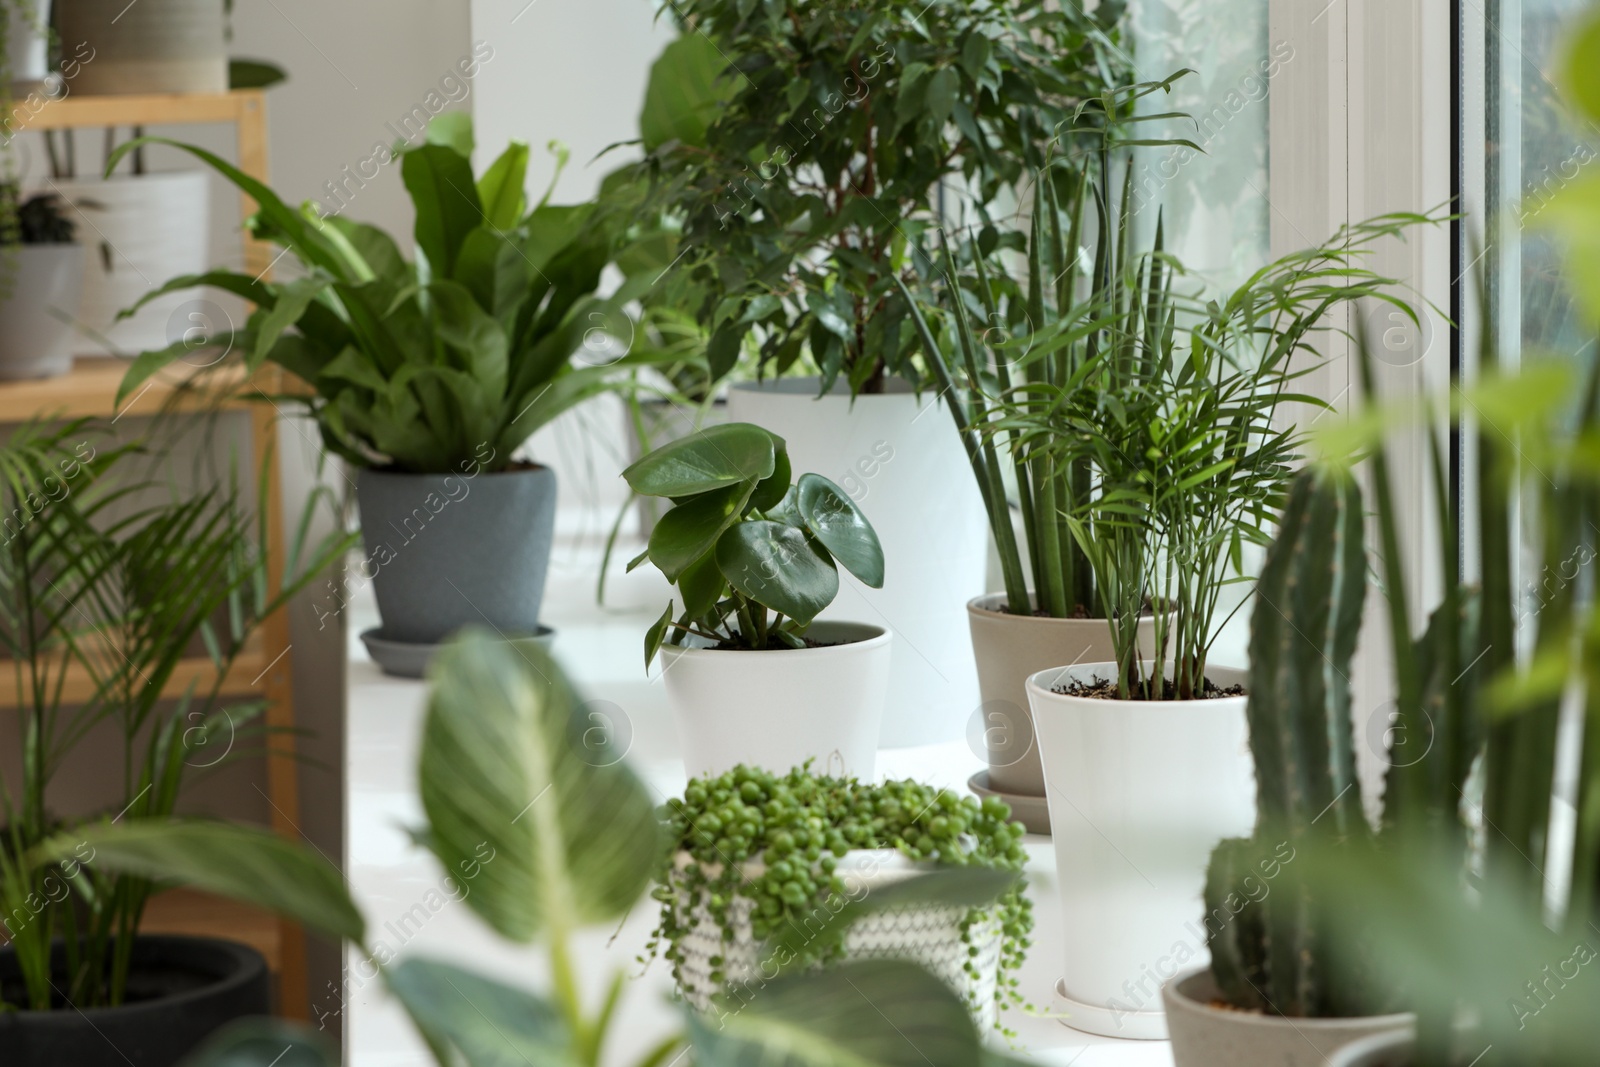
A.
pixel 1165 410
pixel 155 46
pixel 25 32
pixel 752 679
pixel 41 275
pixel 428 376
pixel 506 736
pixel 822 148
pixel 118 595
pixel 756 856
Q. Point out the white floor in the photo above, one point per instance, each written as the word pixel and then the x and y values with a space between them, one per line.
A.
pixel 404 893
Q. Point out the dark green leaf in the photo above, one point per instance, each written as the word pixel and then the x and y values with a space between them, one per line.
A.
pixel 942 88
pixel 841 527
pixel 779 567
pixel 685 91
pixel 446 202
pixel 264 1043
pixel 656 634
pixel 710 459
pixel 702 586
pixel 773 488
pixel 254 74
pixel 690 530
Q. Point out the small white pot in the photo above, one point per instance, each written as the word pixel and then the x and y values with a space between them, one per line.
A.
pixel 140 231
pixel 27 43
pixel 775 710
pixel 929 935
pixel 1140 792
pixel 898 457
pixel 1208 1036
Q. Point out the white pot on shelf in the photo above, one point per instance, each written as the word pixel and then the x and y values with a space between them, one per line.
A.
pixel 1139 793
pixel 777 709
pixel 898 457
pixel 930 935
pixel 27 44
pixel 139 232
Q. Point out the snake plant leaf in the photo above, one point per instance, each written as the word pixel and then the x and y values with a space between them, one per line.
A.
pixel 500 190
pixel 550 836
pixel 442 189
pixel 779 567
pixel 486 1022
pixel 241 863
pixel 715 457
pixel 689 532
pixel 262 1042
pixel 833 517
pixel 863 1013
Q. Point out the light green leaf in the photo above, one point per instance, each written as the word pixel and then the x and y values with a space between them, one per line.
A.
pixel 557 829
pixel 841 527
pixel 446 202
pixel 476 337
pixel 501 187
pixel 238 862
pixel 779 567
pixel 490 1024
pixel 453 130
pixel 942 89
pixel 685 92
pixel 293 299
pixel 710 459
pixel 865 1013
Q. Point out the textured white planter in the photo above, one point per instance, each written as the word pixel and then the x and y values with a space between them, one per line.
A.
pixel 1207 1036
pixel 140 232
pixel 153 46
pixel 930 936
pixel 899 458
pixel 775 710
pixel 1140 792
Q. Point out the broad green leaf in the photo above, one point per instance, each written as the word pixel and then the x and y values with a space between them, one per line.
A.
pixel 772 489
pixel 263 1042
pixel 254 74
pixel 488 1023
pixel 702 585
pixel 453 130
pixel 494 269
pixel 942 89
pixel 244 285
pixel 689 532
pixel 710 459
pixel 864 1013
pixel 841 527
pixel 686 90
pixel 501 187
pixel 241 863
pixel 291 304
pixel 476 337
pixel 779 567
pixel 514 791
pixel 375 248
pixel 446 201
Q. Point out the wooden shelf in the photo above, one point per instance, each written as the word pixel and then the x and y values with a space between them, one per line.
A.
pixel 243 677
pixel 144 109
pixel 90 390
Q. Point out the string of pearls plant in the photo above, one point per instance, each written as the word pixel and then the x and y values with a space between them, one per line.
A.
pixel 776 842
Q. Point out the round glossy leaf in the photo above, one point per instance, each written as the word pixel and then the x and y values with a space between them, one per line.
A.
pixel 715 457
pixel 836 521
pixel 775 487
pixel 689 531
pixel 778 567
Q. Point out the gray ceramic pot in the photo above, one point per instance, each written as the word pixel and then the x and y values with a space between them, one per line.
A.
pixel 36 280
pixel 447 550
pixel 1207 1036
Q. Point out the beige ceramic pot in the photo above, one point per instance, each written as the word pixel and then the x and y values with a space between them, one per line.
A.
pixel 1207 1036
pixel 1009 648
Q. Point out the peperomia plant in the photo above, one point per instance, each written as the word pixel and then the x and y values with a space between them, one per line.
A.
pixel 419 367
pixel 742 542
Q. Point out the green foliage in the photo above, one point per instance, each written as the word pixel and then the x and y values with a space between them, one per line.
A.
pixel 448 362
pixel 805 148
pixel 97 581
pixel 775 841
pixel 740 541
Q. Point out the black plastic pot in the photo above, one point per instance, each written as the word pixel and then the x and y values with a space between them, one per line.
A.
pixel 180 989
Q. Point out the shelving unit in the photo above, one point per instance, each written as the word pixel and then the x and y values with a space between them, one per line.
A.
pixel 90 390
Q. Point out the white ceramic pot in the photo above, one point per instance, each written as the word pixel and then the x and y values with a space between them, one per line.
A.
pixel 899 458
pixel 140 232
pixel 1140 792
pixel 39 291
pixel 1207 1036
pixel 153 46
pixel 929 935
pixel 1008 649
pixel 27 43
pixel 1393 1049
pixel 775 710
